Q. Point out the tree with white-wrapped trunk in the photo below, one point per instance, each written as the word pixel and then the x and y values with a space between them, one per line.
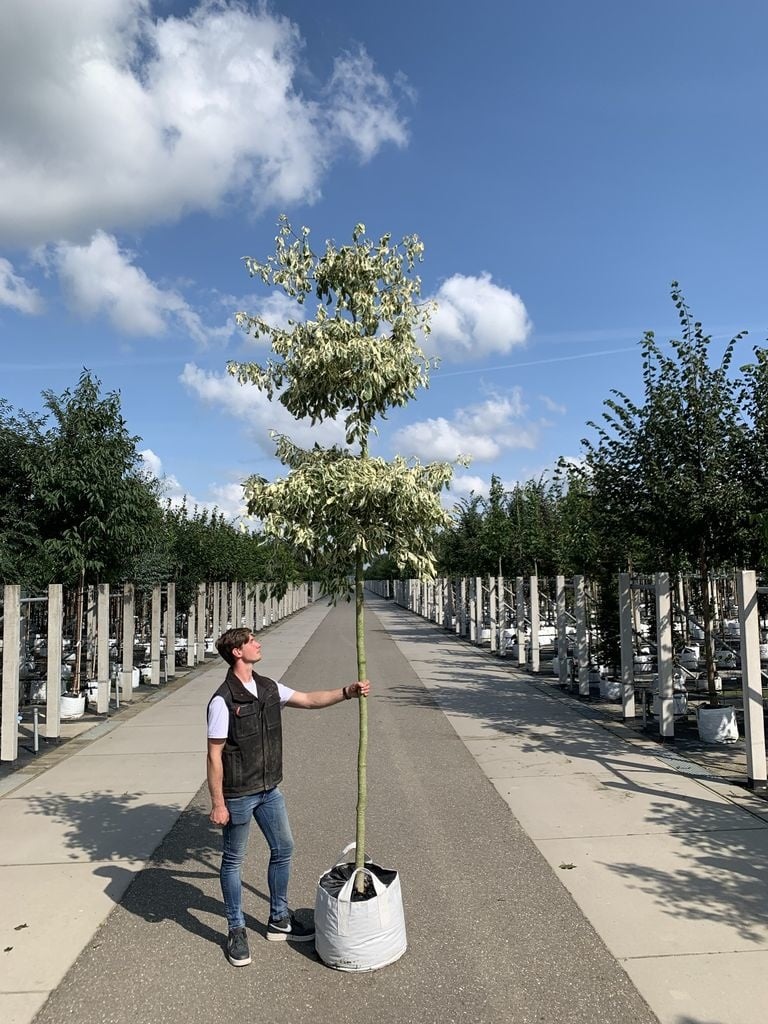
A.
pixel 356 359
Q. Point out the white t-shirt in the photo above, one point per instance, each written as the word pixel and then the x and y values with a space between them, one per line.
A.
pixel 218 712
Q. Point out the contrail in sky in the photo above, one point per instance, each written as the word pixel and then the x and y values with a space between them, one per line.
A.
pixel 537 362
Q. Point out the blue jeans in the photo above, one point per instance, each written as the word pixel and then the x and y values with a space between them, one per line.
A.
pixel 268 809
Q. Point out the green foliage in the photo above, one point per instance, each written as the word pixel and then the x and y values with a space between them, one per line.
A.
pixel 88 487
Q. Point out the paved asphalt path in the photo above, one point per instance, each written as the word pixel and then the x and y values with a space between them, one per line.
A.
pixel 493 935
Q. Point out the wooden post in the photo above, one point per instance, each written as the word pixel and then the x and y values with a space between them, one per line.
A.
pixel 53 673
pixel 9 726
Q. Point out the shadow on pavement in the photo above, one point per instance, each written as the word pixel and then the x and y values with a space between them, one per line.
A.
pixel 722 874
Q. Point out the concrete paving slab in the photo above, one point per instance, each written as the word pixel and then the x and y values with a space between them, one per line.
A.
pixel 150 773
pixel 538 754
pixel 722 988
pixel 94 825
pixel 143 739
pixel 617 804
pixel 20 1007
pixel 68 901
pixel 172 712
pixel 671 893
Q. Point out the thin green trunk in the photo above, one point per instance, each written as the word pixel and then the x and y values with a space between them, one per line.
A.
pixel 362 748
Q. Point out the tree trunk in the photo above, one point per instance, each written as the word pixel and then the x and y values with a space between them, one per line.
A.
pixel 709 640
pixel 362 748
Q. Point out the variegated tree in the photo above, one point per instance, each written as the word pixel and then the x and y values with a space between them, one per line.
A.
pixel 353 361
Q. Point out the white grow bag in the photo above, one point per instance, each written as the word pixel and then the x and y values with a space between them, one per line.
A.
pixel 359 935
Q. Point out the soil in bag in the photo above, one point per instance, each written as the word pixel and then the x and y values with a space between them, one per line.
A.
pixel 333 880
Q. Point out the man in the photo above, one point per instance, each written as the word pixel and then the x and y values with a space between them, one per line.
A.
pixel 245 767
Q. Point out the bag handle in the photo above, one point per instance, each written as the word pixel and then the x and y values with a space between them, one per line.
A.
pixel 345 900
pixel 344 859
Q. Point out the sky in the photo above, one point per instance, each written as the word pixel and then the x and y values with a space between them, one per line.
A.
pixel 562 163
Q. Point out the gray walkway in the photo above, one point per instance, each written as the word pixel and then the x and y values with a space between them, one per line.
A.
pixel 545 861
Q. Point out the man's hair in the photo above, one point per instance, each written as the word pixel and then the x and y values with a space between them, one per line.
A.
pixel 233 638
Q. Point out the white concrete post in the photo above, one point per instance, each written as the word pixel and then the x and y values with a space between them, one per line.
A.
pixel 234 602
pixel 154 642
pixel 461 618
pixel 562 636
pixel 53 671
pixel 582 643
pixel 224 619
pixel 191 635
pixel 520 620
pixel 664 656
pixel 533 598
pixel 473 610
pixel 249 623
pixel 627 651
pixel 170 633
pixel 102 648
pixel 201 608
pixel 492 620
pixel 129 636
pixel 9 726
pixel 752 685
pixel 216 631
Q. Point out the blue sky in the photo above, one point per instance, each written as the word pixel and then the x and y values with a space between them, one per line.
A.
pixel 562 163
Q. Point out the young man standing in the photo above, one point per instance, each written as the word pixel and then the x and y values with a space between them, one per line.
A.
pixel 245 767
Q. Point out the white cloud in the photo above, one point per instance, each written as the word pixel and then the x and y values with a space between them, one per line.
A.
pixel 276 308
pixel 101 278
pixel 253 409
pixel 481 431
pixel 16 293
pixel 463 484
pixel 114 116
pixel 553 406
pixel 475 318
pixel 226 498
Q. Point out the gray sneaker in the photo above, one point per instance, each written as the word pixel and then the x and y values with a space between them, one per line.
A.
pixel 289 928
pixel 238 953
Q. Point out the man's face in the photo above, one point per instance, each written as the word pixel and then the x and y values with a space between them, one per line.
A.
pixel 251 650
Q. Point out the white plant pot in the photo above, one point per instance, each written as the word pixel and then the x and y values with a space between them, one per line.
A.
pixel 703 687
pixel 610 689
pixel 72 707
pixel 718 725
pixel 679 704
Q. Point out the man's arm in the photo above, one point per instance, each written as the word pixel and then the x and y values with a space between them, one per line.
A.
pixel 215 771
pixel 325 698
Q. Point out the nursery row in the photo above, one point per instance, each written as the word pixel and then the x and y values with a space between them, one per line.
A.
pixel 669 660
pixel 129 638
